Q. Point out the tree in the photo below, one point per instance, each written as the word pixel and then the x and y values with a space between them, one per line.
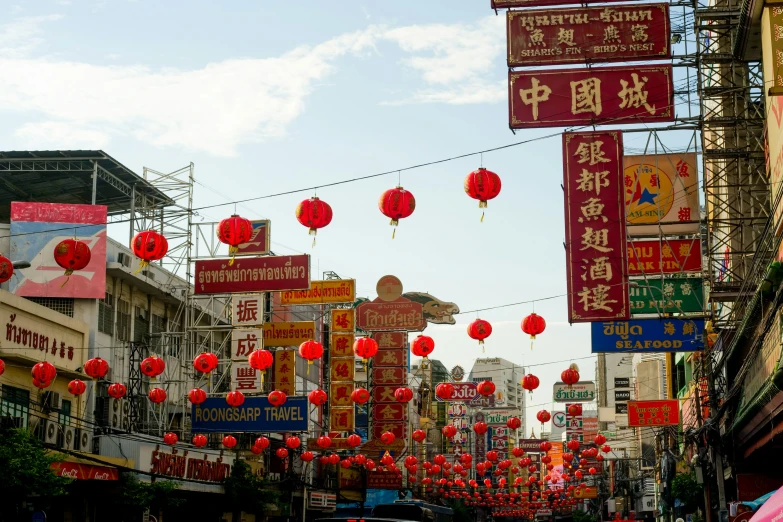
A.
pixel 138 496
pixel 245 491
pixel 26 471
pixel 687 490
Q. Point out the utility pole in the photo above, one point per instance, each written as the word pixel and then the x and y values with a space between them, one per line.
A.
pixel 716 448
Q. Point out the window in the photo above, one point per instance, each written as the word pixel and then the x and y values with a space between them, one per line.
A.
pixel 158 329
pixel 680 382
pixel 106 314
pixel 63 305
pixel 123 320
pixel 15 404
pixel 64 415
pixel 141 325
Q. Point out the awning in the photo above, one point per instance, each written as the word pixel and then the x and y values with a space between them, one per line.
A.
pixel 772 510
pixel 87 468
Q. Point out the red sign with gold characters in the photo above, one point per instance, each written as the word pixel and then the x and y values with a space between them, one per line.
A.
pixel 381 427
pixel 384 394
pixel 653 413
pixel 588 34
pixel 389 412
pixel 669 256
pixel 342 419
pixel 562 97
pixel 388 376
pixel 596 264
pixel 394 357
pixel 391 339
pixel 253 274
pixel 384 480
pixel 341 345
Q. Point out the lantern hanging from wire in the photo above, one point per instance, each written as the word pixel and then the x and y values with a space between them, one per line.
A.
pixel 77 387
pixel 317 397
pixel 233 231
pixel 514 423
pixel 6 269
pixel 575 410
pixel 396 204
pixel 530 382
pixel 197 396
pixel 366 348
pixel 43 374
pixel 229 441
pixel 354 440
pixel 277 398
pixel 449 431
pixel 403 394
pixel 235 399
pixel 72 255
pixel 170 438
pixel 262 442
pixel 444 390
pixel 96 368
pixel 199 440
pixel 485 388
pixel 360 396
pixel 422 346
pixel 118 390
pixel 483 185
pixel 419 435
pixel 157 395
pixel 152 366
pixel 388 438
pixel 324 441
pixel 479 330
pixel 149 246
pixel 599 439
pixel 480 427
pixel 533 325
pixel 570 376
pixel 261 360
pixel 205 362
pixel 310 350
pixel 314 214
pixel 543 417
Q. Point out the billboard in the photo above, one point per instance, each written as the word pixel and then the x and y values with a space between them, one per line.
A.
pixel 578 392
pixel 661 189
pixel 463 392
pixel 587 34
pixel 668 256
pixel 259 242
pixel 256 414
pixel 675 295
pixel 253 274
pixel 596 265
pixel 653 413
pixel 671 334
pixel 37 228
pixel 564 97
pixel 322 292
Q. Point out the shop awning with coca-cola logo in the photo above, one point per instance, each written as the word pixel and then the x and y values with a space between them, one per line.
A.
pixel 85 471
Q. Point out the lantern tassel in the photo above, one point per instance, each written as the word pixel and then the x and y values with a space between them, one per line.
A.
pixel 232 250
pixel 142 266
pixel 313 232
pixel 309 363
pixel 482 217
pixel 394 232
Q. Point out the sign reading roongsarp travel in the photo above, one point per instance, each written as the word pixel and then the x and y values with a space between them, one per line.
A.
pixel 255 415
pixel 670 334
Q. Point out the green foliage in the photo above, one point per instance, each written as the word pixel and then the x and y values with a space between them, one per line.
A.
pixel 461 512
pixel 245 491
pixel 687 490
pixel 26 467
pixel 581 516
pixel 157 496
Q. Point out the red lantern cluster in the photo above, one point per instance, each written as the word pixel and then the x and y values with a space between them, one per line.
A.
pixel 77 387
pixel 6 269
pixel 149 246
pixel 72 255
pixel 479 330
pixel 205 362
pixel 396 204
pixel 43 374
pixel 365 347
pixel 152 366
pixel 96 368
pixel 234 231
pixel 314 214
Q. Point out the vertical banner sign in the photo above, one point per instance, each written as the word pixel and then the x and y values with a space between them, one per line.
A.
pixel 389 369
pixel 342 414
pixel 667 256
pixel 343 320
pixel 285 371
pixel 243 342
pixel 341 350
pixel 245 378
pixel 574 428
pixel 596 262
pixel 247 310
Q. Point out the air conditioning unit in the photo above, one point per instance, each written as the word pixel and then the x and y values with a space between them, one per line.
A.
pixel 51 401
pixel 149 274
pixel 124 259
pixel 118 414
pixel 51 430
pixel 84 440
pixel 69 438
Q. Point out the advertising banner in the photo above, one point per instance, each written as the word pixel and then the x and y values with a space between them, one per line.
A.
pixel 661 189
pixel 384 480
pixel 669 256
pixel 247 310
pixel 499 416
pixel 463 392
pixel 596 264
pixel 288 334
pixel 253 274
pixel 599 96
pixel 653 413
pixel 255 415
pixel 37 228
pixel 675 295
pixel 175 463
pixel 322 292
pixel 672 334
pixel 259 241
pixel 285 371
pixel 578 392
pixel 343 320
pixel 588 34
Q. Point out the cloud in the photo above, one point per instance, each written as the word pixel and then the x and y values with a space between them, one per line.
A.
pixel 21 36
pixel 52 135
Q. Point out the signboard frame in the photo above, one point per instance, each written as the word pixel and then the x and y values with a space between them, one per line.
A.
pixel 212 276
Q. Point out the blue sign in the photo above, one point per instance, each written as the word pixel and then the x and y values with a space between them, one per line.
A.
pixel 670 334
pixel 255 415
pixel 39 516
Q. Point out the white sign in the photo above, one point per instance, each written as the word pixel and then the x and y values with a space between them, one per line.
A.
pixel 648 503
pixel 559 419
pixel 320 500
pixel 244 378
pixel 244 341
pixel 578 392
pixel 499 416
pixel 457 410
pixel 247 310
pixel 176 463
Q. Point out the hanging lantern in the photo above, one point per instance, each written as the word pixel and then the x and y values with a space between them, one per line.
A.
pixel 323 442
pixel 2 367
pixel 479 330
pixel 96 368
pixel 360 396
pixel 480 428
pixel 262 442
pixel 568 457
pixel 396 204
pixel 388 437
pixel 403 394
pixel 229 441
pixel 255 450
pixel 199 440
pixel 277 398
pixel 513 423
pixel 365 347
pixel 317 397
pixel 170 438
pixel 293 442
pixel 492 455
pixel 234 231
pixel 235 399
pixel 149 246
pixel 197 396
pixel 43 374
pixel 157 395
pixel 449 431
pixel 422 346
pixel 606 449
pixel 545 446
pixel 444 390
pixel 485 388
pixel 530 382
pixel 76 387
pixel 282 453
pixel 117 390
pixel 152 366
pixel 575 410
pixel 543 416
pixel 483 185
pixel 419 435
pixel 310 350
pixel 573 445
pixel 533 325
pixel 72 255
pixel 354 440
pixel 518 452
pixel 307 456
pixel 6 269
pixel 599 439
pixel 261 360
pixel 571 375
pixel 205 362
pixel 314 214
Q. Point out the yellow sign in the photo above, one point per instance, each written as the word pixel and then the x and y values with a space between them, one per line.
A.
pixel 340 393
pixel 322 292
pixel 343 320
pixel 586 492
pixel 343 370
pixel 288 334
pixel 285 371
pixel 341 345
pixel 341 419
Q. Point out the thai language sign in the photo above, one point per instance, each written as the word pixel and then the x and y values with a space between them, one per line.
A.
pixel 253 274
pixel 595 226
pixel 499 416
pixel 322 292
pixel 463 392
pixel 587 34
pixel 578 392
pixel 661 190
pixel 653 413
pixel 669 256
pixel 676 295
pixel 671 334
pixel 256 414
pixel 400 315
pixel 288 334
pixel 563 97
pixel 176 463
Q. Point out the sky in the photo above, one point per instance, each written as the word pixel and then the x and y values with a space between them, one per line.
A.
pixel 268 97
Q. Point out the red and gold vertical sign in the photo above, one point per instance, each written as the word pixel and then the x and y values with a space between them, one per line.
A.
pixel 285 371
pixel 597 261
pixel 343 367
pixel 390 362
pixel 341 349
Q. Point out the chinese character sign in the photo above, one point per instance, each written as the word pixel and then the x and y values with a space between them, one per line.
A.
pixel 653 413
pixel 596 263
pixel 587 34
pixel 341 345
pixel 243 342
pixel 342 370
pixel 562 97
pixel 670 334
pixel 343 320
pixel 247 310
pixel 244 378
pixel 285 371
pixel 342 419
pixel 340 393
pixel 671 295
pixel 669 256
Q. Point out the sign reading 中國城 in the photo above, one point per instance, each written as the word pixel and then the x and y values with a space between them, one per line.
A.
pixel 322 292
pixel 563 97
pixel 256 414
pixel 247 310
pixel 670 256
pixel 577 392
pixel 653 413
pixel 675 295
pixel 596 265
pixel 253 274
pixel 671 334
pixel 545 37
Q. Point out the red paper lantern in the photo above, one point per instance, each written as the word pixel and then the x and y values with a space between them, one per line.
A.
pixel 199 440
pixel 568 457
pixel 44 372
pixel 396 204
pixel 293 442
pixel 606 449
pixel 479 330
pixel 449 431
pixel 262 442
pixel 152 366
pixel 570 376
pixel 530 382
pixel 575 410
pixel 2 367
pixel 281 453
pixel 260 359
pixel 170 438
pixel 514 423
pixel 229 441
pixel 480 428
pixel 96 368
pixel 599 439
pixel 77 387
pixel 235 399
pixel 388 438
pixel 72 255
pixel 365 347
pixel 354 440
pixel 314 214
pixel 157 395
pixel 277 398
pixel 149 246
pixel 403 394
pixel 360 396
pixel 485 388
pixel 492 455
pixel 444 390
pixel 593 471
pixel 307 456
pixel 518 452
pixel 545 446
pixel 573 445
pixel 310 350
pixel 197 396
pixel 543 416
pixel 118 390
pixel 317 397
pixel 234 231
pixel 323 442
pixel 419 435
pixel 483 185
pixel 255 450
pixel 205 362
pixel 6 269
pixel 533 325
